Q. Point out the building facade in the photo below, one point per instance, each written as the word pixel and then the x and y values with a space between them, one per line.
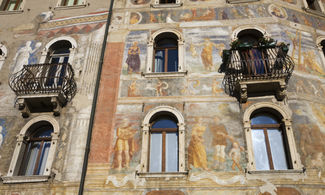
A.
pixel 49 58
pixel 211 97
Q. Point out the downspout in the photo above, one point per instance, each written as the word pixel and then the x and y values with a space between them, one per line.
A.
pixel 94 103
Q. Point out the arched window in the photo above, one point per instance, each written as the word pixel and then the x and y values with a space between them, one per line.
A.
pixel 322 43
pixel 269 138
pixel 250 36
pixel 35 151
pixel 38 143
pixel 163 144
pixel 269 142
pixel 59 52
pixel 166 53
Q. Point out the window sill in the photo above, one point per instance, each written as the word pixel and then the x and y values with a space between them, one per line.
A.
pixel 163 74
pixel 25 179
pixel 11 12
pixel 241 1
pixel 290 171
pixel 70 7
pixel 315 12
pixel 162 174
pixel 167 5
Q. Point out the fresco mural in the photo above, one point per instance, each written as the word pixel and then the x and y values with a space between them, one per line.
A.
pixel 214 142
pixel 135 52
pixel 26 54
pixel 126 144
pixel 277 11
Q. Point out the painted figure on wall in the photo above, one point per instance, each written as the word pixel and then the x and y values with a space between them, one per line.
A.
pixel 312 142
pixel 133 59
pixel 319 112
pixel 196 151
pixel 235 155
pixel 310 62
pixel 24 54
pixel 277 11
pixel 124 145
pixel 133 89
pixel 206 54
pixel 134 18
pixel 161 88
pixel 219 143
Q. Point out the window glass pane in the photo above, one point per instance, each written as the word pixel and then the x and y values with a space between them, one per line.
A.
pixel 44 132
pixel 70 2
pixel 155 159
pixel 43 159
pixel 172 60
pixel 260 153
pixel 164 123
pixel 264 119
pixel 32 157
pixel 171 152
pixel 159 61
pixel 277 149
pixel 12 4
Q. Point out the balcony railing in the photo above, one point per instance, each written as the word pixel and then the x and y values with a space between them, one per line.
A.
pixel 44 79
pixel 255 64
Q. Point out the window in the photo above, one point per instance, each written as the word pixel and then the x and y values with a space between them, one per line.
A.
pixel 59 52
pixel 163 143
pixel 71 2
pixel 314 6
pixel 166 53
pixel 38 143
pixel 269 143
pixel 34 152
pixel 11 5
pixel 270 140
pixel 166 1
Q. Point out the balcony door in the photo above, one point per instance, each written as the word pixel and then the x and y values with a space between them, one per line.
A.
pixel 58 57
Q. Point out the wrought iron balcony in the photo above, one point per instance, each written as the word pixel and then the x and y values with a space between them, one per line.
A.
pixel 254 71
pixel 43 87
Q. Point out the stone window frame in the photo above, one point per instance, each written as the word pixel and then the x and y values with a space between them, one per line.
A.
pixel 320 12
pixel 20 9
pixel 63 38
pixel 156 4
pixel 145 130
pixel 4 54
pixel 12 175
pixel 240 1
pixel 286 119
pixel 59 5
pixel 320 48
pixel 235 33
pixel 150 56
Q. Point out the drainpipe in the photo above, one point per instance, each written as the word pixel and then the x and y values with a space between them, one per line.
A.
pixel 92 114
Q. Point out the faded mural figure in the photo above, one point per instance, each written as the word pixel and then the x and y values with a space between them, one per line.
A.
pixel 133 90
pixel 219 142
pixel 312 142
pixel 23 54
pixel 161 88
pixel 196 151
pixel 319 112
pixel 133 59
pixel 206 54
pixel 134 18
pixel 1 136
pixel 310 62
pixel 235 155
pixel 124 146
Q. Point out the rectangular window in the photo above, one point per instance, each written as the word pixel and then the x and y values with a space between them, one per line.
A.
pixel 11 5
pixel 71 2
pixel 166 1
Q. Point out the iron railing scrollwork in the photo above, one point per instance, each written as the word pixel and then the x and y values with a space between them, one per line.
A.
pixel 255 63
pixel 44 79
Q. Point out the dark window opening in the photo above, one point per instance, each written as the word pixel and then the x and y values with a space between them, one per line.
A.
pixel 313 4
pixel 323 46
pixel 166 1
pixel 166 53
pixel 70 2
pixel 163 150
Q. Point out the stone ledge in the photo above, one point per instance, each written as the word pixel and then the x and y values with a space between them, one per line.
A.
pixel 168 5
pixel 11 12
pixel 25 179
pixel 240 1
pixel 163 74
pixel 162 174
pixel 70 7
